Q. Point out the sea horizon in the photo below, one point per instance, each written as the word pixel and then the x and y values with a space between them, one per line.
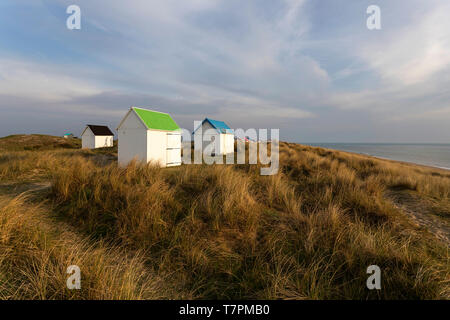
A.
pixel 428 154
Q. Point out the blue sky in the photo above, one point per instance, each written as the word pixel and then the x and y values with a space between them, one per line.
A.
pixel 310 68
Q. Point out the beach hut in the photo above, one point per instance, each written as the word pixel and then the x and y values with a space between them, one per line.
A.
pixel 147 135
pixel 95 136
pixel 218 132
pixel 68 136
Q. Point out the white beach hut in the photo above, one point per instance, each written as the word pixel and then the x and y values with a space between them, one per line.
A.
pixel 95 136
pixel 147 135
pixel 215 131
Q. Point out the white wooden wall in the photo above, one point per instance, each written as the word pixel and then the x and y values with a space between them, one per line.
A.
pixel 227 143
pixel 156 147
pixel 88 139
pixel 104 141
pixel 132 143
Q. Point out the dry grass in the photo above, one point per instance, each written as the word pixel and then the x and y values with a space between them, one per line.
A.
pixel 36 252
pixel 224 231
pixel 20 142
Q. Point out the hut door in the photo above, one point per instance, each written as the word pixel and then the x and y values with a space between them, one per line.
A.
pixel 173 152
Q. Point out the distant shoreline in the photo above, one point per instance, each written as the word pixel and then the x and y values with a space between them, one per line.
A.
pixel 402 161
pixel 334 146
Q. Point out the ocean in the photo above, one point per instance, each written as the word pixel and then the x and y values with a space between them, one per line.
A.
pixel 435 155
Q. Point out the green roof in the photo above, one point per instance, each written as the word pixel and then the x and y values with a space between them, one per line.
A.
pixel 156 120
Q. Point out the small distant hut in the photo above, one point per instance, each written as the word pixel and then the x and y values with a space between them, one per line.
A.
pixel 147 135
pixel 68 136
pixel 95 136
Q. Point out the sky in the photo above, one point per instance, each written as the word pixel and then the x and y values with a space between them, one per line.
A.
pixel 310 68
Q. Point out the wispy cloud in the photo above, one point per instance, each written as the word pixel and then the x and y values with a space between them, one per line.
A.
pixel 294 65
pixel 415 52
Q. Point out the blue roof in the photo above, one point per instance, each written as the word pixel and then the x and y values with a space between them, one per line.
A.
pixel 220 126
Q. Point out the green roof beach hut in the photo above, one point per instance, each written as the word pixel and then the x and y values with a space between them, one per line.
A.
pixel 149 136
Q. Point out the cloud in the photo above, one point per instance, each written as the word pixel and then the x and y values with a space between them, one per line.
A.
pixel 409 67
pixel 310 68
pixel 31 80
pixel 166 51
pixel 414 52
